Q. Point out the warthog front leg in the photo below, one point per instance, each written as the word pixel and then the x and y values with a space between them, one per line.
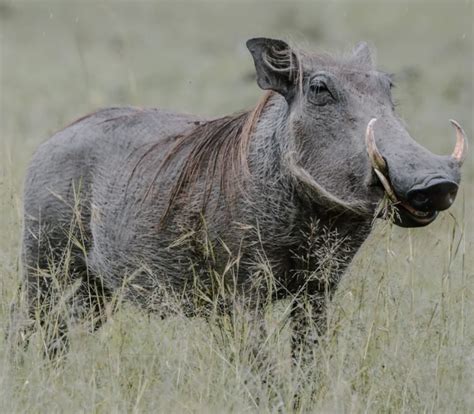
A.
pixel 308 323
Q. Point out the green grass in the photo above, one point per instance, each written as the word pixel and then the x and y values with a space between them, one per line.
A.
pixel 400 336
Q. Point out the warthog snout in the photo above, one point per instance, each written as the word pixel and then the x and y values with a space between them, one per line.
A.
pixel 417 194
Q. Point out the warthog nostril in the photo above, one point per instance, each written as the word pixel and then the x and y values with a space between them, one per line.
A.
pixel 420 198
pixel 438 194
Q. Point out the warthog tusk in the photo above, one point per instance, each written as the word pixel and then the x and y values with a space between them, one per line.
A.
pixel 386 186
pixel 378 163
pixel 376 158
pixel 460 150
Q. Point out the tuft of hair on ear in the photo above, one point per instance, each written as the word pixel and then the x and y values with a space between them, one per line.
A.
pixel 363 55
pixel 277 65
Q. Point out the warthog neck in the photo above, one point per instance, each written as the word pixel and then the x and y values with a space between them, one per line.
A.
pixel 292 222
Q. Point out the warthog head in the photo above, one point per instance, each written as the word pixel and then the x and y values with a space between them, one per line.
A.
pixel 346 140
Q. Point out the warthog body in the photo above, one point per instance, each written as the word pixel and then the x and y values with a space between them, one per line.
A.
pixel 146 201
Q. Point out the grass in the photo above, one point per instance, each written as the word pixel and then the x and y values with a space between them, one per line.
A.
pixel 400 335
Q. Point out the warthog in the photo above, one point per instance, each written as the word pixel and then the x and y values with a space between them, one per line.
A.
pixel 145 201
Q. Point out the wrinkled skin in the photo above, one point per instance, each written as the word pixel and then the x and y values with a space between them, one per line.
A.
pixel 311 185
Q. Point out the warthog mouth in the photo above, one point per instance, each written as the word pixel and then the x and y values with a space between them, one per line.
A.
pixel 405 214
pixel 410 217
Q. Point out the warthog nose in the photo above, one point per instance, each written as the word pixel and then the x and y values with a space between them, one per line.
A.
pixel 438 194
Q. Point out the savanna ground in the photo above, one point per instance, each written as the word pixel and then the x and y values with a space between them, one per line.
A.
pixel 400 335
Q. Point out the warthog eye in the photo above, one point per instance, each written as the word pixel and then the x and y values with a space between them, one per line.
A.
pixel 319 87
pixel 319 92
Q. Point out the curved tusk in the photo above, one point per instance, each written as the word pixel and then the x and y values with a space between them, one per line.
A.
pixel 375 157
pixel 460 150
pixel 378 163
pixel 386 186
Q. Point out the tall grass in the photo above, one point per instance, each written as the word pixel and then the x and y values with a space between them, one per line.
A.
pixel 389 346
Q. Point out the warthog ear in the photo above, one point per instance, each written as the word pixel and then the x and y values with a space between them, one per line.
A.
pixel 276 64
pixel 363 54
